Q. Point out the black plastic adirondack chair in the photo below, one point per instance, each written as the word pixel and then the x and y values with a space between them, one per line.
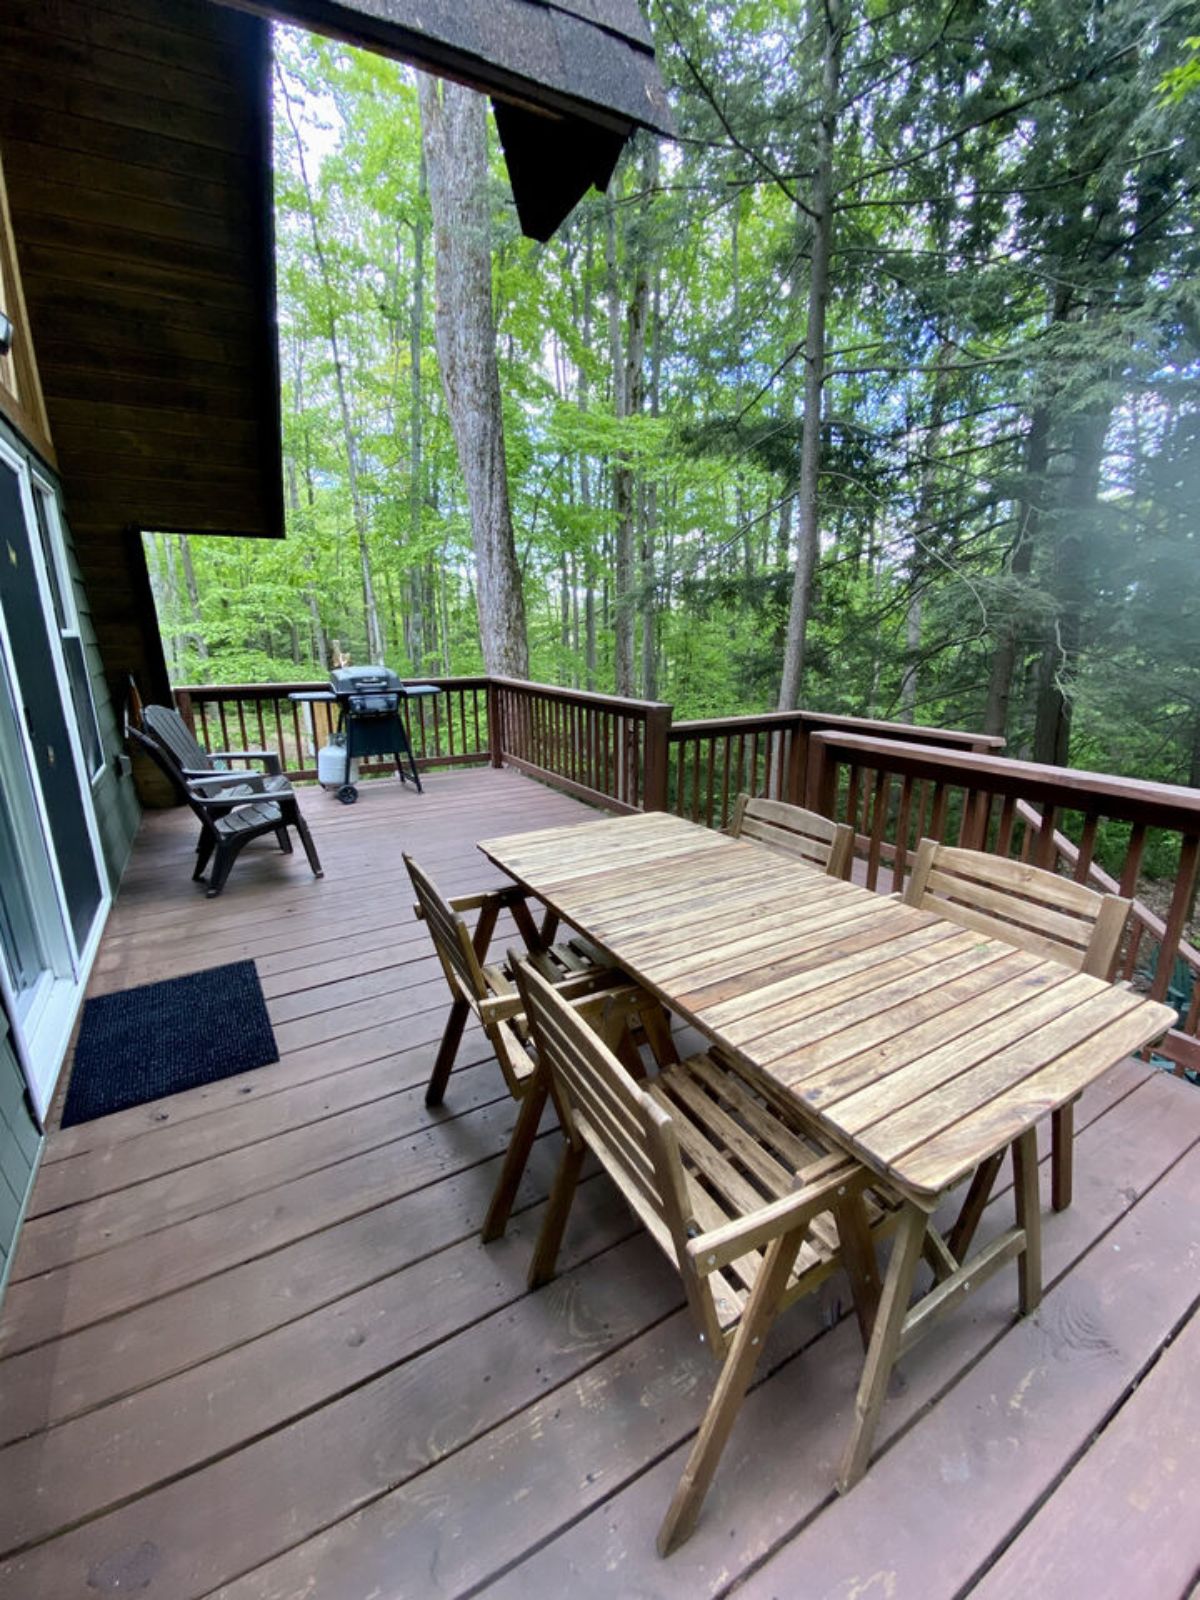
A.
pixel 227 824
pixel 165 724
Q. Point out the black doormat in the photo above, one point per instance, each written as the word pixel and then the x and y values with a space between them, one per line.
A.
pixel 141 1044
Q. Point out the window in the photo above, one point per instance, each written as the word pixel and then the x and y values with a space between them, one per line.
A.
pixel 66 620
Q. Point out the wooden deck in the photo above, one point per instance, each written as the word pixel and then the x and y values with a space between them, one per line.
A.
pixel 252 1347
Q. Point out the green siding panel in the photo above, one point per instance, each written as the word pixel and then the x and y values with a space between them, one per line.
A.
pixel 19 1145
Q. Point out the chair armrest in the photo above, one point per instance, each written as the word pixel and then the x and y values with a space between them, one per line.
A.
pixel 719 1246
pixel 504 896
pixel 254 781
pixel 269 758
pixel 507 1007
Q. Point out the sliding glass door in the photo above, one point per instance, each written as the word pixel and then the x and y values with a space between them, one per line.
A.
pixel 52 887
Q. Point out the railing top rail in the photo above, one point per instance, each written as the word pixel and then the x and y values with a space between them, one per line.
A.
pixel 250 691
pixel 818 719
pixel 1162 805
pixel 584 697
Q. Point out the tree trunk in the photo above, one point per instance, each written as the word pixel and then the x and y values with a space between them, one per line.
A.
pixel 828 17
pixel 376 645
pixel 1060 654
pixel 454 135
pixel 649 498
pixel 919 560
pixel 585 472
pixel 193 594
pixel 622 476
pixel 416 443
pixel 1030 509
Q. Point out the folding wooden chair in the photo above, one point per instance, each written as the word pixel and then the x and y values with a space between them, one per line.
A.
pixel 1037 911
pixel 752 1212
pixel 807 835
pixel 486 990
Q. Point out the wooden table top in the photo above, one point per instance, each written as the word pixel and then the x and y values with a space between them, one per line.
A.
pixel 920 1046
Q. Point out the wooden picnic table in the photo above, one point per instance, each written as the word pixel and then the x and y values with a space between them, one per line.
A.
pixel 923 1048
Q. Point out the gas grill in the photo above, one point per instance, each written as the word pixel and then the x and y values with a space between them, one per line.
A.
pixel 369 720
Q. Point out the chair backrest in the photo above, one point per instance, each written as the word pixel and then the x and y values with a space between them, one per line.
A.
pixel 599 1103
pixel 804 834
pixel 178 782
pixel 451 939
pixel 172 732
pixel 1029 906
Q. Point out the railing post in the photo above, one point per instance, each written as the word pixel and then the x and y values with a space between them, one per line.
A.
pixel 495 724
pixel 183 704
pixel 820 792
pixel 797 766
pixel 654 772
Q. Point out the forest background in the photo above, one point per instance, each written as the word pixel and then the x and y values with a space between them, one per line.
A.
pixel 875 392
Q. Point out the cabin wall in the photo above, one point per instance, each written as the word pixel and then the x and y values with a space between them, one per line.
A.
pixel 113 795
pixel 135 137
pixel 20 1145
pixel 117 815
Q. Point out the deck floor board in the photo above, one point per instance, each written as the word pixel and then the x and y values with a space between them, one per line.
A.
pixel 253 1347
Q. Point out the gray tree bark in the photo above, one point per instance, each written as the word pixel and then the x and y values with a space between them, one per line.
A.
pixel 828 17
pixel 454 138
pixel 376 644
pixel 422 595
pixel 193 594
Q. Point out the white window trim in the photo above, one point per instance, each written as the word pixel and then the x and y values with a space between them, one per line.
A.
pixel 66 589
pixel 66 1005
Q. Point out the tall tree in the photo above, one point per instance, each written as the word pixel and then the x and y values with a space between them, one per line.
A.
pixel 454 137
pixel 376 645
pixel 827 23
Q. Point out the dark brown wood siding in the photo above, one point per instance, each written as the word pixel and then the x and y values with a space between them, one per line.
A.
pixel 136 141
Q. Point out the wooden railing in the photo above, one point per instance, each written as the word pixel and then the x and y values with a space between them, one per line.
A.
pixel 446 730
pixel 896 793
pixel 896 783
pixel 601 747
pixel 710 762
pixel 1147 930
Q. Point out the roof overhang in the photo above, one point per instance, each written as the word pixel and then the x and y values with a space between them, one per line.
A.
pixel 570 80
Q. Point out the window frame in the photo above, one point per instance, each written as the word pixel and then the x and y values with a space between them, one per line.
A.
pixel 54 549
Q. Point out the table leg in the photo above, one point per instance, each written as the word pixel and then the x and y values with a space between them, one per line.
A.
pixel 1062 1156
pixel 1029 1219
pixel 885 1343
pixel 973 1206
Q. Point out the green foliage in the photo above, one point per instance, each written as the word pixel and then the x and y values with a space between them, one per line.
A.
pixel 1014 251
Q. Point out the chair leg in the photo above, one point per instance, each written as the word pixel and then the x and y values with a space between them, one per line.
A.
pixel 447 1050
pixel 285 843
pixel 732 1384
pixel 545 1252
pixel 1029 1218
pixel 885 1343
pixel 227 853
pixel 516 1159
pixel 1062 1159
pixel 306 839
pixel 204 852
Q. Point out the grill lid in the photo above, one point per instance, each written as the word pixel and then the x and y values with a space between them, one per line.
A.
pixel 364 680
